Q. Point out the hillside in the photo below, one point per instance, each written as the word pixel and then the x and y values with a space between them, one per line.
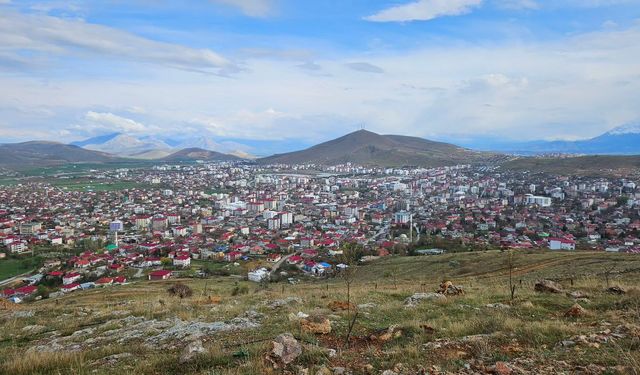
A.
pixel 190 154
pixel 368 148
pixel 41 153
pixel 139 328
pixel 596 165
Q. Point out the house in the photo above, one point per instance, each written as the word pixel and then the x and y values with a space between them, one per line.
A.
pixel 561 244
pixel 26 290
pixel 119 280
pixel 70 287
pixel 274 258
pixel 258 275
pixel 116 267
pixel 232 256
pixel 159 275
pixel 182 261
pixel 295 259
pixel 81 263
pixel 71 278
pixel 104 281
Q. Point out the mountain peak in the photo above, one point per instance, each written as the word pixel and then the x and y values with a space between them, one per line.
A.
pixel 631 128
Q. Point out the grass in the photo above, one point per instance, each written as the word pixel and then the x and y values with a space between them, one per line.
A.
pixel 528 332
pixel 16 266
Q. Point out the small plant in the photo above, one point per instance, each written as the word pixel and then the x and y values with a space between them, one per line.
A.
pixel 180 290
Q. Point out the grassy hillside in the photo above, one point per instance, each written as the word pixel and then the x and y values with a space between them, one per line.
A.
pixel 599 165
pixel 140 329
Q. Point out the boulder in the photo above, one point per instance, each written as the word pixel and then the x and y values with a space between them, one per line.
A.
pixel 547 286
pixel 317 324
pixel 500 306
pixel 575 311
pixel 341 306
pixel 578 295
pixel 616 290
pixel 415 299
pixel 192 350
pixel 285 349
pixel 449 289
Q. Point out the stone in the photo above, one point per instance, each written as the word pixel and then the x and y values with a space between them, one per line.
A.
pixel 578 295
pixel 501 368
pixel 568 343
pixel 367 306
pixel 339 371
pixel 575 311
pixel 500 306
pixel 192 350
pixel 316 324
pixel 449 289
pixel 284 302
pixel 616 290
pixel 547 286
pixel 285 349
pixel 341 306
pixel 416 298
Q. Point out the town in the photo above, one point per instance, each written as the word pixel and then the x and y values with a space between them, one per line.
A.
pixel 282 223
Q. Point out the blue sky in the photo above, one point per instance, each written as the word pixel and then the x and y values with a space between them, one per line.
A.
pixel 248 73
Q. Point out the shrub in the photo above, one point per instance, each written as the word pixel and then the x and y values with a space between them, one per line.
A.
pixel 180 290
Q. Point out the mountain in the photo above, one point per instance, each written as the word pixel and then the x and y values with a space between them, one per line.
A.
pixel 368 148
pixel 190 154
pixel 95 140
pixel 150 147
pixel 623 140
pixel 123 144
pixel 41 153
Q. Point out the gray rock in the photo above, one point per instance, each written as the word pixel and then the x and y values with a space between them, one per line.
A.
pixel 191 351
pixel 284 302
pixel 415 299
pixel 285 348
pixel 500 306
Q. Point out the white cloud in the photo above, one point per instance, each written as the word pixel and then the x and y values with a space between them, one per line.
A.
pixel 56 36
pixel 96 122
pixel 424 10
pixel 517 4
pixel 364 67
pixel 252 8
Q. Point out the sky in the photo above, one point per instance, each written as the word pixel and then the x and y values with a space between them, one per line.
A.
pixel 297 72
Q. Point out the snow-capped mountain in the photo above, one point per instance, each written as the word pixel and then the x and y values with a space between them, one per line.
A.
pixel 632 128
pixel 149 147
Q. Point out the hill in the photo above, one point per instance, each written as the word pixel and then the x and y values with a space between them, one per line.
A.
pixel 195 153
pixel 139 328
pixel 592 165
pixel 368 148
pixel 41 153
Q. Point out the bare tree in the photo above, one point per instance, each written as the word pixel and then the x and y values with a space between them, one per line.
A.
pixel 512 286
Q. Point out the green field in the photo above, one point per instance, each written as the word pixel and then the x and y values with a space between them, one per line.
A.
pixel 97 185
pixel 13 267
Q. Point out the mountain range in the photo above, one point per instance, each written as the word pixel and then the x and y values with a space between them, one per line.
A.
pixel 622 140
pixel 42 154
pixel 149 147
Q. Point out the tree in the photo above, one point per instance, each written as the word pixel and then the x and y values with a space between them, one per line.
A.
pixel 180 290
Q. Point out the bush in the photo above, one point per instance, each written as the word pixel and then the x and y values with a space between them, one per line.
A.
pixel 239 290
pixel 180 290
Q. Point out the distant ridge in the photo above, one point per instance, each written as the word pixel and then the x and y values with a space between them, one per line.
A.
pixel 43 153
pixel 368 148
pixel 194 153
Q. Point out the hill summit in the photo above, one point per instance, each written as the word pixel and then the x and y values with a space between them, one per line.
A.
pixel 368 148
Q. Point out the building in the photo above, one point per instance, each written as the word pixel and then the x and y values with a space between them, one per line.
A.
pixel 258 275
pixel 30 228
pixel 561 244
pixel 182 261
pixel 402 217
pixel 159 275
pixel 531 199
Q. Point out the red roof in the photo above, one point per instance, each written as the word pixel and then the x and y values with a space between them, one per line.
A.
pixel 30 289
pixel 160 273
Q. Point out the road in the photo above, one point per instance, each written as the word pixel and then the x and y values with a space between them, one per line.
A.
pixel 279 263
pixel 15 278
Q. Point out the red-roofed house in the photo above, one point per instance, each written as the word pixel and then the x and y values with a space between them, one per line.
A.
pixel 159 275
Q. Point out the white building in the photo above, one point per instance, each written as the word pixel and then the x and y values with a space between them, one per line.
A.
pixel 258 275
pixel 531 199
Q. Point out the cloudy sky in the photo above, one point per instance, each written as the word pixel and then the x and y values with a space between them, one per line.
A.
pixel 296 72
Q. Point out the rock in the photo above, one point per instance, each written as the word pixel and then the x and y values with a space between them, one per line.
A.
pixel 387 334
pixel 575 311
pixel 341 306
pixel 501 368
pixel 568 343
pixel 285 349
pixel 616 290
pixel 284 302
pixel 323 370
pixel 500 306
pixel 112 359
pixel 368 368
pixel 527 304
pixel 317 324
pixel 578 295
pixel 547 286
pixel 415 299
pixel 34 329
pixel 296 317
pixel 332 353
pixel 367 306
pixel 23 314
pixel 339 371
pixel 449 289
pixel 192 350
pixel 389 372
